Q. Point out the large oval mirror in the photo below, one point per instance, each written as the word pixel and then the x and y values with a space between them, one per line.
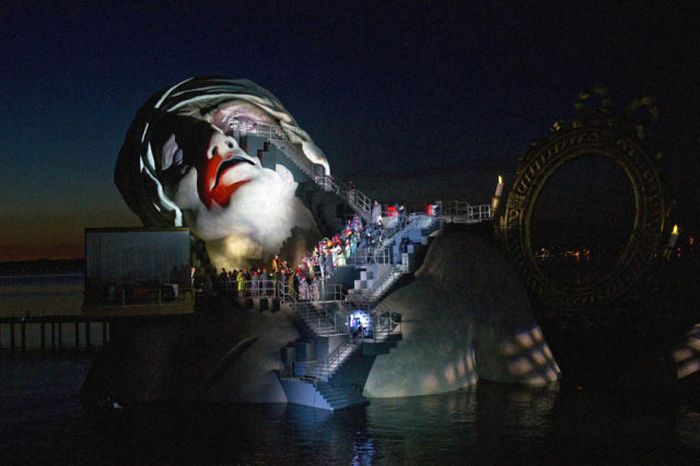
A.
pixel 582 220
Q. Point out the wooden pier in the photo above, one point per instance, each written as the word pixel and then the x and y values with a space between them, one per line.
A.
pixel 52 333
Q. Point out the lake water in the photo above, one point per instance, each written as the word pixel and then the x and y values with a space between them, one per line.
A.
pixel 41 294
pixel 42 422
pixel 38 281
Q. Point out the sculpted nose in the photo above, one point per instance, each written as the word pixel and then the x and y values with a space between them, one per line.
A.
pixel 230 148
pixel 236 153
pixel 227 149
pixel 224 149
pixel 239 154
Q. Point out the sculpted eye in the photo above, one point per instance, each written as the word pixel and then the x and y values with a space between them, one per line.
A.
pixel 170 150
pixel 178 157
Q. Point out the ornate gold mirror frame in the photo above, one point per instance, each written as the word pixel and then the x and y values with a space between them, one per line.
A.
pixel 597 134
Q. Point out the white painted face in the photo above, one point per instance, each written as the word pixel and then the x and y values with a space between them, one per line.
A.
pixel 180 163
pixel 224 169
pixel 229 197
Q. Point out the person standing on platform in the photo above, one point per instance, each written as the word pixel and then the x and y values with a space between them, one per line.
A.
pixel 233 276
pixel 255 282
pixel 352 193
pixel 402 215
pixel 315 291
pixel 376 212
pixel 240 282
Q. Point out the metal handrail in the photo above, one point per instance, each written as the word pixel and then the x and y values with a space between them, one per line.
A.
pixel 388 273
pixel 462 210
pixel 377 324
pixel 327 184
pixel 304 164
pixel 380 322
pixel 336 354
pixel 332 316
pixel 262 288
pixel 367 256
pixel 320 307
pixel 339 292
pixel 355 198
pixel 273 133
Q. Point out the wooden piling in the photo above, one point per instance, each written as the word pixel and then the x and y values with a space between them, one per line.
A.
pixel 46 333
pixel 23 330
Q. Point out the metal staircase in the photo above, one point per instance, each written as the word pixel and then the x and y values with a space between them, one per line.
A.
pixel 323 371
pixel 357 200
pixel 389 261
pixel 333 382
pixel 322 383
pixel 341 397
pixel 328 383
pixel 317 319
pixel 367 297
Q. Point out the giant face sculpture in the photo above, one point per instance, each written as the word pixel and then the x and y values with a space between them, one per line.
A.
pixel 184 163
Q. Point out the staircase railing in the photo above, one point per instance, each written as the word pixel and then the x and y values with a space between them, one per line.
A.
pixel 268 132
pixel 463 212
pixel 334 359
pixel 368 256
pixel 262 288
pixel 285 292
pixel 331 316
pixel 412 220
pixel 383 325
pixel 327 184
pixel 339 292
pixel 358 200
pixel 323 309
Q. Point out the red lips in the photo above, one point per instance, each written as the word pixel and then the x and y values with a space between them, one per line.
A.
pixel 209 185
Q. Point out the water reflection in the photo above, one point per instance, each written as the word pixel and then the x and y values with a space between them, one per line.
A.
pixel 490 424
pixel 592 427
pixel 493 424
pixel 470 424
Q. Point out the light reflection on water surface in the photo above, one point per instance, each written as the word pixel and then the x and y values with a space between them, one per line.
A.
pixel 493 424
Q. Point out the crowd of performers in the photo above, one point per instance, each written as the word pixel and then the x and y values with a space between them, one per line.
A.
pixel 357 240
pixel 304 278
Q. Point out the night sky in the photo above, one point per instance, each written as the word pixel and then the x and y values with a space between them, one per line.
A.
pixel 410 99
